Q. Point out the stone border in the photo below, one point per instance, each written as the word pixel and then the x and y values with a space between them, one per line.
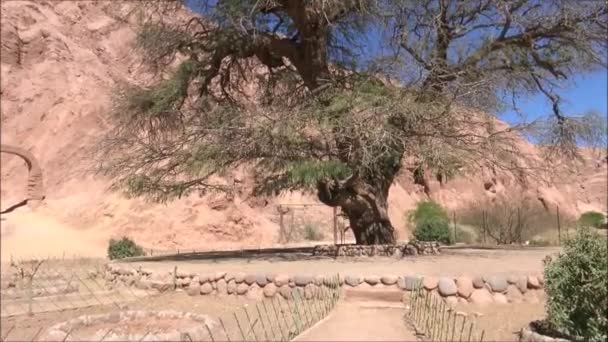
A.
pixel 396 251
pixel 252 285
pixel 62 331
pixel 499 289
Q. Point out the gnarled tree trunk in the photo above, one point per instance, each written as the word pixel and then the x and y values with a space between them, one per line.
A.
pixel 35 187
pixel 365 203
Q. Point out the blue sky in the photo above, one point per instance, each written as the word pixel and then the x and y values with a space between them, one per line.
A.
pixel 585 92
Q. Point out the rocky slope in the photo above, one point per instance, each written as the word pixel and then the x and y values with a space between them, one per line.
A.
pixel 59 63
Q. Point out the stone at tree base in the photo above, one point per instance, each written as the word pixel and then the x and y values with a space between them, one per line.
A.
pixel 512 279
pixel 447 287
pixel 270 290
pixel 451 301
pixel 522 284
pixel 250 279
pixel 498 283
pixel 239 277
pixel 372 279
pixel 352 280
pixel 513 295
pixel 285 291
pixel 242 288
pixel 412 282
pixel 231 287
pixel 500 298
pixel 206 288
pixel 533 282
pixel 465 286
pixel 255 292
pixel 302 279
pixel 194 289
pixel 281 279
pixel 481 297
pixel 430 283
pixel 221 287
pixel 478 282
pixel 261 279
pixel 531 297
pixel 389 280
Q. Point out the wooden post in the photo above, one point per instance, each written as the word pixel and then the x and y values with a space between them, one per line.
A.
pixel 335 227
pixel 559 228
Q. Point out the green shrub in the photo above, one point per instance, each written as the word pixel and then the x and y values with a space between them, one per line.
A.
pixel 312 232
pixel 431 223
pixel 576 285
pixel 591 219
pixel 123 248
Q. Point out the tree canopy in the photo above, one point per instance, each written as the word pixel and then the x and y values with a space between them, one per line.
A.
pixel 336 96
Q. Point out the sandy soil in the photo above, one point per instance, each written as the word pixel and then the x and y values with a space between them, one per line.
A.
pixel 455 262
pixel 359 321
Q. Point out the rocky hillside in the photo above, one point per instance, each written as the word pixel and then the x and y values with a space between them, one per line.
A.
pixel 60 61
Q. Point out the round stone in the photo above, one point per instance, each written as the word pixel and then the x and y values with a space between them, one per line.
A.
pixel 221 287
pixel 231 287
pixel 512 279
pixel 389 280
pixel 513 295
pixel 430 283
pixel 206 288
pixel 261 279
pixel 271 276
pixel 242 288
pixel 481 297
pixel 498 283
pixel 319 280
pixel 281 279
pixel 447 287
pixel 270 290
pixel 352 280
pixel 255 292
pixel 229 276
pixel 465 286
pixel 194 289
pixel 285 291
pixel 239 277
pixel 302 279
pixel 533 282
pixel 372 279
pixel 522 284
pixel 478 282
pixel 251 278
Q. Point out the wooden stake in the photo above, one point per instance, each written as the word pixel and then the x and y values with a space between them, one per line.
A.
pixel 225 331
pixel 257 307
pixel 238 323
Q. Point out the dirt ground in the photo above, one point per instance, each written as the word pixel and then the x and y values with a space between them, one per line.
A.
pixel 24 328
pixel 449 263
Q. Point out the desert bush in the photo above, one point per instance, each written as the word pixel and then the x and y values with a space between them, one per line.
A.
pixel 576 285
pixel 311 232
pixel 591 219
pixel 464 235
pixel 506 221
pixel 124 248
pixel 431 223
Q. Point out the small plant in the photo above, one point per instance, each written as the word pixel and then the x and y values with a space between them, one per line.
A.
pixel 123 248
pixel 591 219
pixel 431 223
pixel 312 232
pixel 576 288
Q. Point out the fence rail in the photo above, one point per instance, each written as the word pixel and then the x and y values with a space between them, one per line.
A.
pixel 433 320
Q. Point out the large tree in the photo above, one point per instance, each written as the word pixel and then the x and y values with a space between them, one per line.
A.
pixel 301 93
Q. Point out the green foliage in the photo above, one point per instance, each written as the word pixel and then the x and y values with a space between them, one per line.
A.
pixel 312 232
pixel 432 223
pixel 591 219
pixel 576 285
pixel 124 248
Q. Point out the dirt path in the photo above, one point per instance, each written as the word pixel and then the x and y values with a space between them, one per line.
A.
pixel 361 321
pixel 454 262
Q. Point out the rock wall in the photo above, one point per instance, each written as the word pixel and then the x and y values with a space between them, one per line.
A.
pixel 397 251
pixel 254 286
pixel 482 290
